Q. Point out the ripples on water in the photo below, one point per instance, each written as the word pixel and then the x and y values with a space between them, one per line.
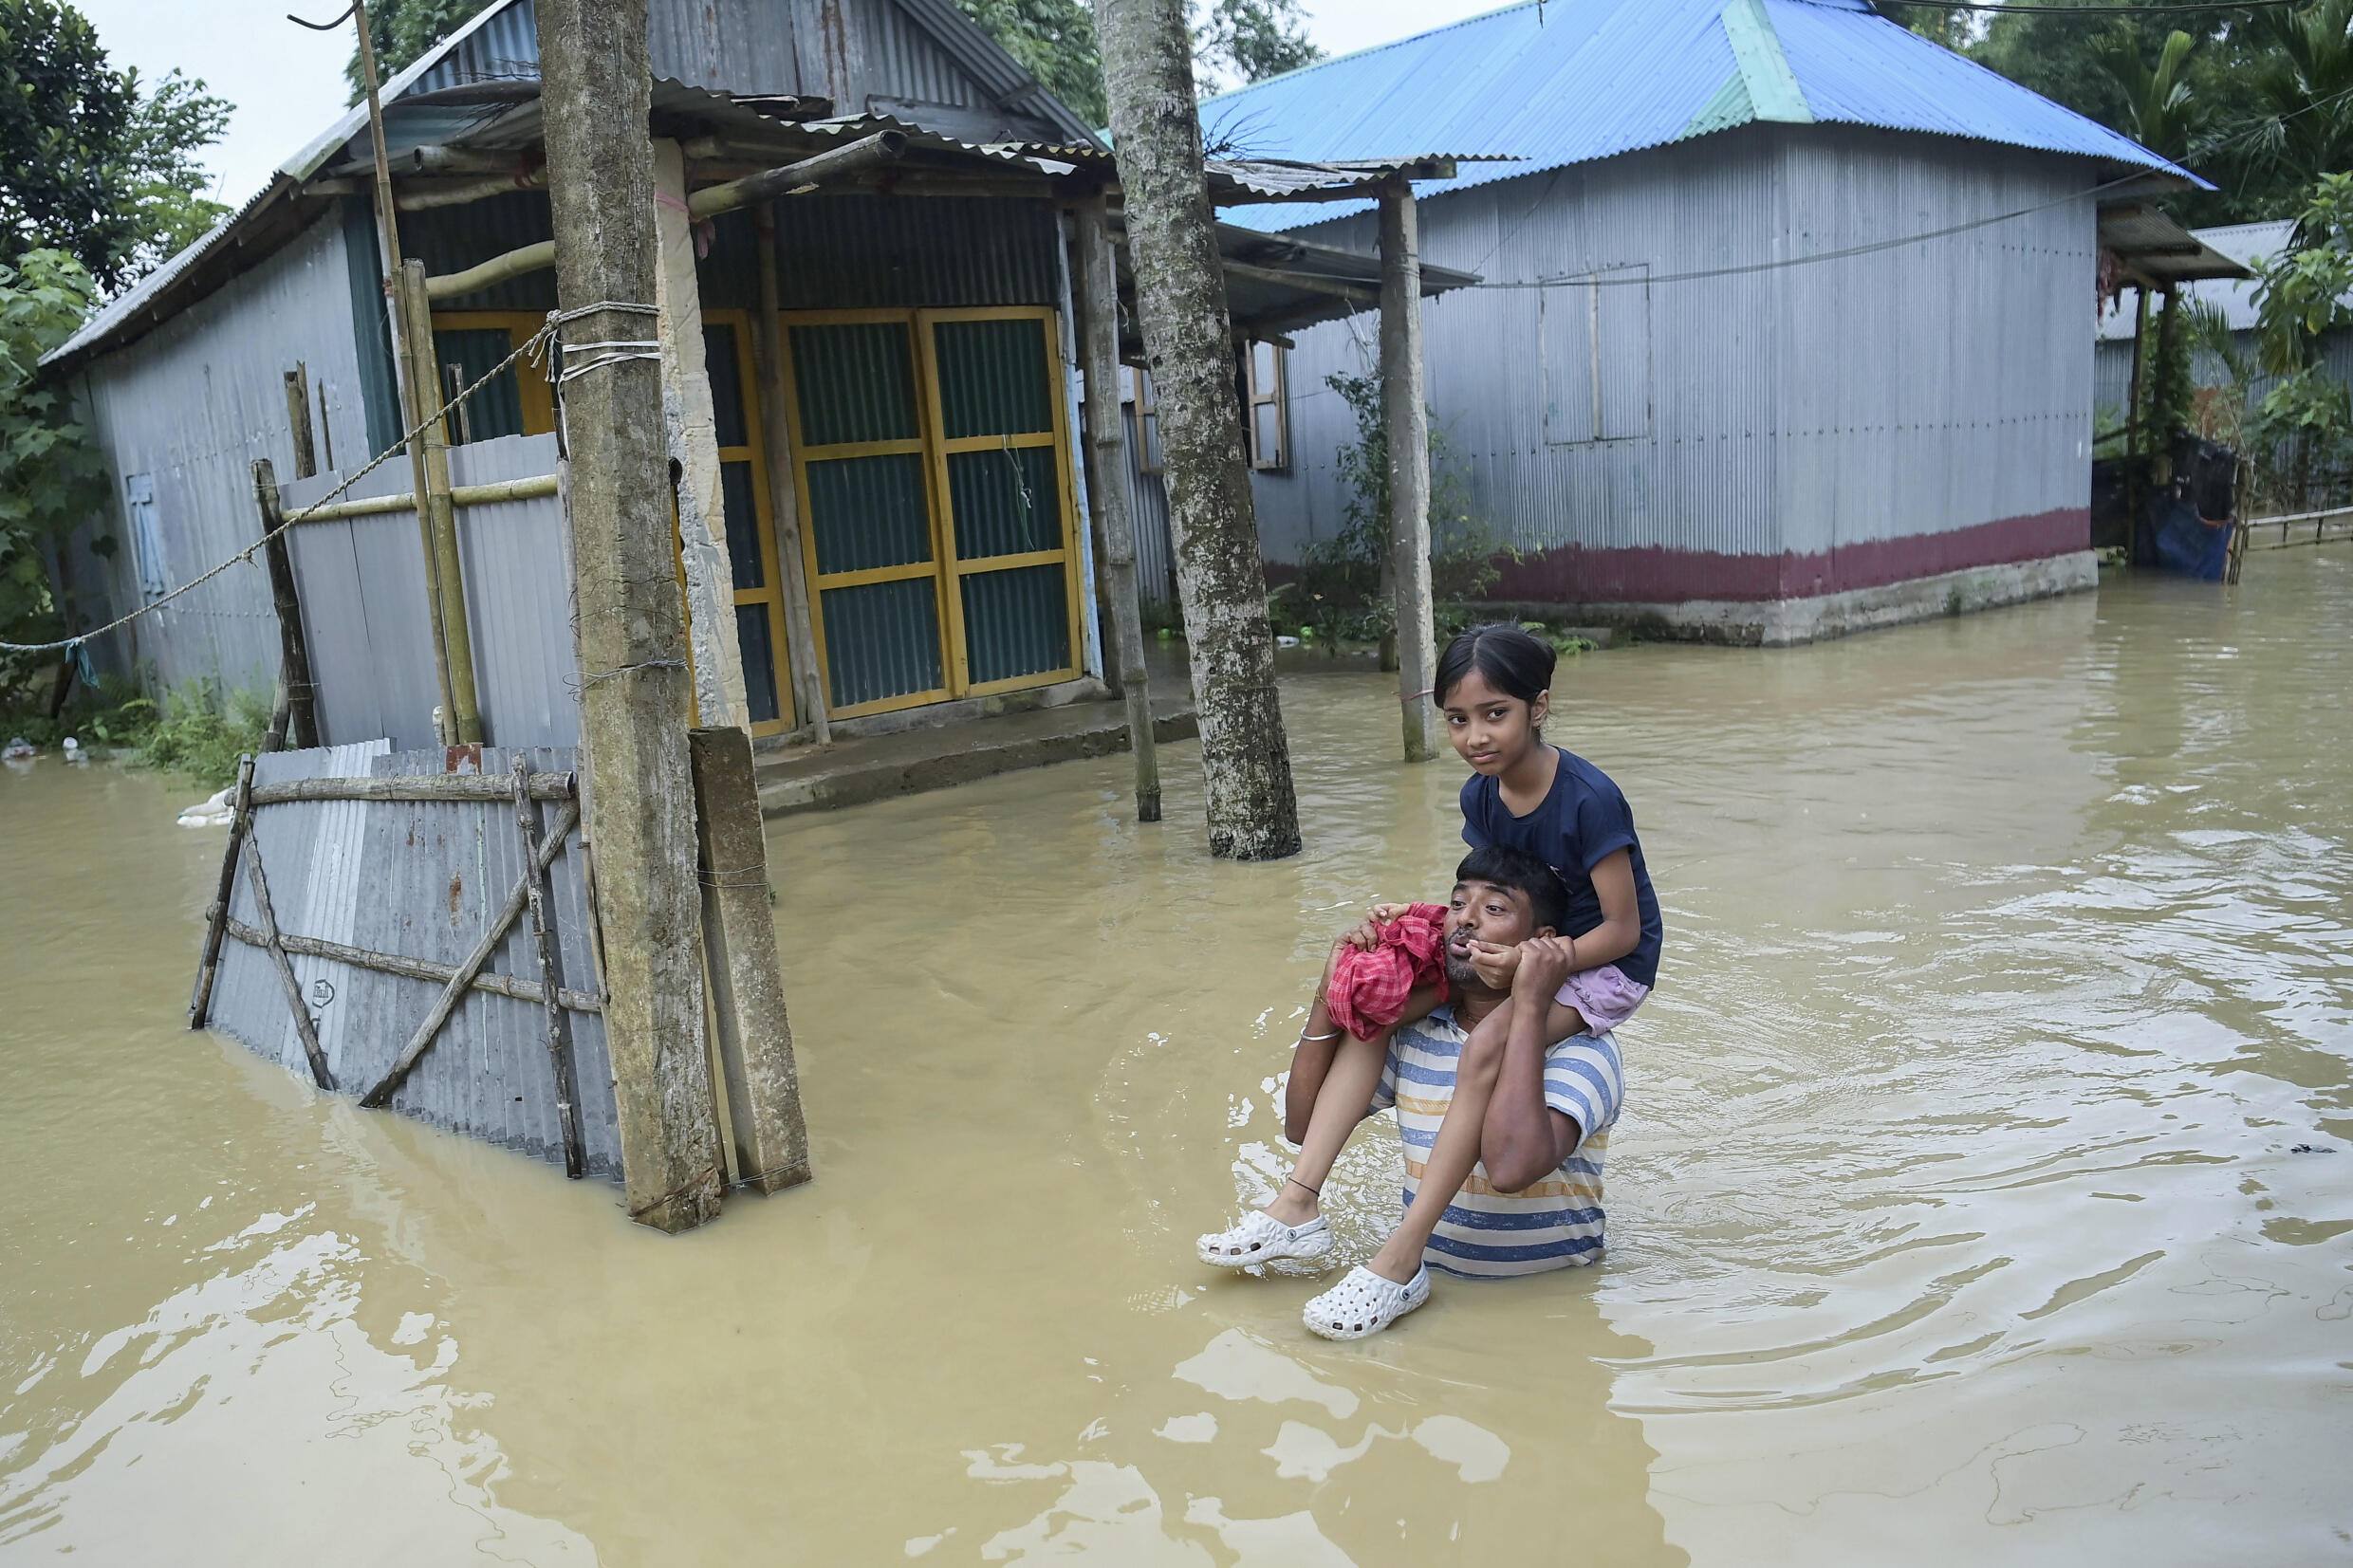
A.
pixel 1954 1217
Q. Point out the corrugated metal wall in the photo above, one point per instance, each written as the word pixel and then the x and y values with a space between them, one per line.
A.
pixel 1147 500
pixel 421 881
pixel 362 582
pixel 192 405
pixel 857 252
pixel 1916 389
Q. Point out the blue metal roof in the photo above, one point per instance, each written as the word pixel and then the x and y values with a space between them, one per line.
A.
pixel 1571 81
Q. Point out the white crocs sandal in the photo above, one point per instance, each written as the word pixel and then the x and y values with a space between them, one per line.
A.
pixel 1262 1238
pixel 1364 1303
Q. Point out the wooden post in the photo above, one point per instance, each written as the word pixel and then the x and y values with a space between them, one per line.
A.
pixel 595 95
pixel 692 426
pixel 1106 446
pixel 440 514
pixel 551 970
pixel 808 685
pixel 217 918
pixel 2132 394
pixel 297 419
pixel 1250 801
pixel 287 982
pixel 301 730
pixel 1405 422
pixel 747 982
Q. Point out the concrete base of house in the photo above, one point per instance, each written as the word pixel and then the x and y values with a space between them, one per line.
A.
pixel 934 756
pixel 1786 622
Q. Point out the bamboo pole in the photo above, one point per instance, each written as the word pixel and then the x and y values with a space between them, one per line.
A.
pixel 440 515
pixel 1405 423
pixel 413 968
pixel 208 967
pixel 293 648
pixel 837 164
pixel 461 979
pixel 293 988
pixel 513 263
pixel 442 787
pixel 808 686
pixel 550 972
pixel 492 494
pixel 1106 445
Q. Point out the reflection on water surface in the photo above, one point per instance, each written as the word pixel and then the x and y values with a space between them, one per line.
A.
pixel 1954 1218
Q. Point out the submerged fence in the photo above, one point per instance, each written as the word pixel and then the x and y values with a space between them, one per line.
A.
pixel 387 925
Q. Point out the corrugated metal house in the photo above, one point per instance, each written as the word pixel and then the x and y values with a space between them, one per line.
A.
pixel 1782 312
pixel 888 303
pixel 926 396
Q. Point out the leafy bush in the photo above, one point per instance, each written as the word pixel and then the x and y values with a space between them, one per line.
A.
pixel 200 732
pixel 1340 595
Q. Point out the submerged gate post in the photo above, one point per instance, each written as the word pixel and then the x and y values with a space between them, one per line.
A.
pixel 302 719
pixel 746 982
pixel 595 95
pixel 1405 423
pixel 1099 314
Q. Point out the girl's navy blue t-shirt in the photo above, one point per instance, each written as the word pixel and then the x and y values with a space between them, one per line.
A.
pixel 1580 824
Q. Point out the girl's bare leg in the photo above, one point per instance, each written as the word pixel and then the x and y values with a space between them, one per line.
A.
pixel 1341 1102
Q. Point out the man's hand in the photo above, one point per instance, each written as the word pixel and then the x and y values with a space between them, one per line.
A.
pixel 1385 915
pixel 1495 965
pixel 1543 966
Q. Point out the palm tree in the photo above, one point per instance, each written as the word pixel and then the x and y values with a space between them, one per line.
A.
pixel 2302 88
pixel 2161 111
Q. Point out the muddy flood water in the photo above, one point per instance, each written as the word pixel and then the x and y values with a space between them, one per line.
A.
pixel 1956 1215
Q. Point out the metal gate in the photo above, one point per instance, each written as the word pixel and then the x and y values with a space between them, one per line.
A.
pixel 931 461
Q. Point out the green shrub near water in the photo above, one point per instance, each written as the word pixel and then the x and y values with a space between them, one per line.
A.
pixel 196 732
pixel 201 731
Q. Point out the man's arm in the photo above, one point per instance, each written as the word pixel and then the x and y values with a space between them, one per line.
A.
pixel 1320 1039
pixel 1522 1137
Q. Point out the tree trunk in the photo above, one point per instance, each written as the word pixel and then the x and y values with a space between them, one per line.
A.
pixel 1405 422
pixel 1180 293
pixel 634 682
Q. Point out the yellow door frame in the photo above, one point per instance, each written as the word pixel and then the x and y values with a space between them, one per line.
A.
pixel 531 390
pixel 946 569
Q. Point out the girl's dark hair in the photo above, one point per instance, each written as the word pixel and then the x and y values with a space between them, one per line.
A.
pixel 1514 663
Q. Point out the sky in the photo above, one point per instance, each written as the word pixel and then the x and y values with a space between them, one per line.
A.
pixel 287 83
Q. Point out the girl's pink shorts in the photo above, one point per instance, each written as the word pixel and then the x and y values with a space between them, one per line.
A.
pixel 1604 996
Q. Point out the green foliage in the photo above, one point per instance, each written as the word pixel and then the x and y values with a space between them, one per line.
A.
pixel 201 732
pixel 1055 40
pixel 402 30
pixel 90 162
pixel 1340 593
pixel 2160 109
pixel 51 476
pixel 2302 432
pixel 1252 39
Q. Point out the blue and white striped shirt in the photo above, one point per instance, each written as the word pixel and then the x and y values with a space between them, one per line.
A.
pixel 1555 1222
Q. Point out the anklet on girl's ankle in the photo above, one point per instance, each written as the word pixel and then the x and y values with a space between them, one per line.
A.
pixel 1312 1191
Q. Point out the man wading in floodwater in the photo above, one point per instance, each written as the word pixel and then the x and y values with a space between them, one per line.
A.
pixel 1516 1185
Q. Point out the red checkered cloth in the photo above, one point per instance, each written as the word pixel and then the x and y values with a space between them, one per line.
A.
pixel 1368 989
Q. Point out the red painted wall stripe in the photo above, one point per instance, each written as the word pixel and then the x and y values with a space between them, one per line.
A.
pixel 1655 575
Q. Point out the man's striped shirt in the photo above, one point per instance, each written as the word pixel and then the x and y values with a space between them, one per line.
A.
pixel 1555 1222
